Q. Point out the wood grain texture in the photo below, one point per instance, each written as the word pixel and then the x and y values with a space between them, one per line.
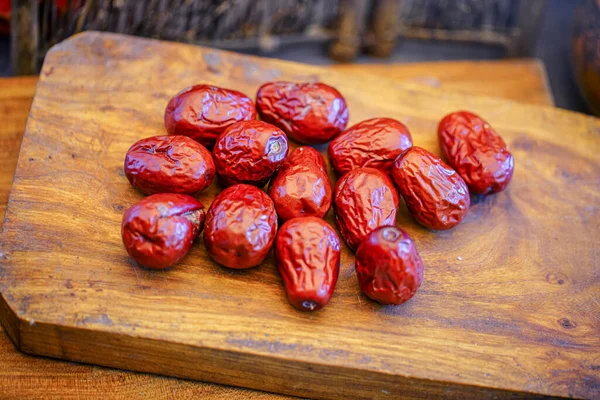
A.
pixel 16 95
pixel 22 375
pixel 31 377
pixel 522 80
pixel 515 314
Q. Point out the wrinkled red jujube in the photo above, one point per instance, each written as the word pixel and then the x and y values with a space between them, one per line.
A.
pixel 374 143
pixel 159 230
pixel 249 152
pixel 307 255
pixel 306 155
pixel 388 266
pixel 436 196
pixel 203 112
pixel 301 187
pixel 364 200
pixel 474 149
pixel 309 113
pixel 240 227
pixel 169 164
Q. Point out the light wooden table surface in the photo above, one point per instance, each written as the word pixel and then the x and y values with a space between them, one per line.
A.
pixel 24 376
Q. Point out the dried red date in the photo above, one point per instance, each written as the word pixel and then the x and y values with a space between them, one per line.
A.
pixel 306 155
pixel 436 196
pixel 249 152
pixel 240 227
pixel 388 266
pixel 474 149
pixel 364 200
pixel 203 112
pixel 374 143
pixel 309 113
pixel 159 230
pixel 301 187
pixel 307 254
pixel 169 164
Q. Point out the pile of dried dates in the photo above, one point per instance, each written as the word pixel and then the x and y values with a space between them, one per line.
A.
pixel 215 132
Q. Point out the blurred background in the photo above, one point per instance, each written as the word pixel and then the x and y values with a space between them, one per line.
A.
pixel 563 34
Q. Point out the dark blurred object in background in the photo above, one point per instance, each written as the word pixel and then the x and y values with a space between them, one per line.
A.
pixel 4 16
pixel 350 25
pixel 299 30
pixel 586 52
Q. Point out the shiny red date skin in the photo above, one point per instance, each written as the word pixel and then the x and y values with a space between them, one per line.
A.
pixel 374 143
pixel 159 230
pixel 169 164
pixel 364 200
pixel 249 152
pixel 307 255
pixel 436 196
pixel 301 187
pixel 240 227
pixel 474 149
pixel 310 113
pixel 203 112
pixel 306 155
pixel 388 266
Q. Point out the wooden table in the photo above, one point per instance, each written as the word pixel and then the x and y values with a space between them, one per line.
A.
pixel 23 376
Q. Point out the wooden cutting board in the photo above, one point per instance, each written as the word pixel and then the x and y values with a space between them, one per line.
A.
pixel 509 301
pixel 521 80
pixel 32 377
